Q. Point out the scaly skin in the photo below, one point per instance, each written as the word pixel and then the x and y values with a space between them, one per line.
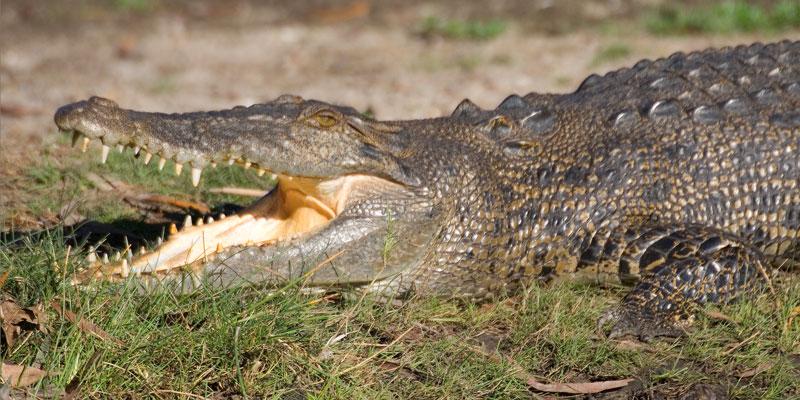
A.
pixel 679 175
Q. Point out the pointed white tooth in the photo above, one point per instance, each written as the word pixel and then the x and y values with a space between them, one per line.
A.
pixel 213 164
pixel 173 229
pixel 147 157
pixel 124 270
pixel 222 215
pixel 231 161
pixel 200 221
pixel 91 257
pixel 219 248
pixel 142 251
pixel 129 254
pixel 120 148
pixel 196 176
pixel 76 135
pixel 178 168
pixel 104 154
pixel 187 222
pixel 161 162
pixel 116 256
pixel 159 241
pixel 136 150
pixel 105 258
pixel 247 164
pixel 209 220
pixel 85 144
pixel 261 172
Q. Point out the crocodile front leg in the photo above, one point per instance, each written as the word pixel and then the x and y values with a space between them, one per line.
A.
pixel 682 268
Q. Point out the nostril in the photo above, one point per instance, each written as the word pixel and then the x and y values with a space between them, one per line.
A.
pixel 63 115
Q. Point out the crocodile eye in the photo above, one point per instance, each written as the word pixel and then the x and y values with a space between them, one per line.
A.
pixel 325 119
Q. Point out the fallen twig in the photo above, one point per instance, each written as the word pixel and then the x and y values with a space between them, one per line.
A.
pixel 171 201
pixel 579 387
pixel 237 191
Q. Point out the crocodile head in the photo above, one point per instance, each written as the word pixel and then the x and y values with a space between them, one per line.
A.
pixel 344 193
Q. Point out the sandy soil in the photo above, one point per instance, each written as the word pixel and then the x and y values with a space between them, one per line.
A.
pixel 172 62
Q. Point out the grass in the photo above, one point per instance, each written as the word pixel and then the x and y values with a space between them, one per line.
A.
pixel 283 343
pixel 611 53
pixel 461 29
pixel 725 17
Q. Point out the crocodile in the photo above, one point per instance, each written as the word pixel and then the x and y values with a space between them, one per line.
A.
pixel 679 177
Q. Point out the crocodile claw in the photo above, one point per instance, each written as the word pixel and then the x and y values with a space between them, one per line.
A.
pixel 630 320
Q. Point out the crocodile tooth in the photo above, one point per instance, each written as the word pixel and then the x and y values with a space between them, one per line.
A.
pixel 247 164
pixel 136 150
pixel 213 164
pixel 120 148
pixel 117 256
pixel 222 215
pixel 161 162
pixel 187 222
pixel 172 229
pixel 209 220
pixel 85 144
pixel 261 172
pixel 129 254
pixel 142 251
pixel 91 257
pixel 105 258
pixel 178 168
pixel 231 161
pixel 196 176
pixel 104 154
pixel 219 248
pixel 76 135
pixel 200 221
pixel 124 270
pixel 160 240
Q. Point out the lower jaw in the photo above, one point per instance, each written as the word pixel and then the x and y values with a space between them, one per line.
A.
pixel 283 214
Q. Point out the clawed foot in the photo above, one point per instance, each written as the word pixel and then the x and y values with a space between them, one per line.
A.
pixel 630 320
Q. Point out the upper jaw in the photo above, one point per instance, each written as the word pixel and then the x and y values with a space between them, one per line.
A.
pixel 274 137
pixel 198 139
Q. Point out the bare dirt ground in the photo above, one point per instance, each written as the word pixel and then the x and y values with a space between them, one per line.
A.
pixel 369 56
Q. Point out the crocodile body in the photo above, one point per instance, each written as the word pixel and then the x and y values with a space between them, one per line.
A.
pixel 680 176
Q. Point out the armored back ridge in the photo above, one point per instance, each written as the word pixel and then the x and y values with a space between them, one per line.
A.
pixel 680 176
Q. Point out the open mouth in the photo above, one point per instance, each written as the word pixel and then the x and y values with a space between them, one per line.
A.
pixel 296 207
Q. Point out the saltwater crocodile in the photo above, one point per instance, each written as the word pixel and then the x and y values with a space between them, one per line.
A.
pixel 679 175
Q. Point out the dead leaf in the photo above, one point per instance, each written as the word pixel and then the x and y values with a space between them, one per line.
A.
pixel 4 277
pixel 579 387
pixel 20 375
pixel 625 344
pixel 15 320
pixel 719 316
pixel 85 325
pixel 342 13
pixel 755 371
